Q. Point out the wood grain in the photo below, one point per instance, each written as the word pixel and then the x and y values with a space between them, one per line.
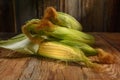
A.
pixel 94 15
pixel 24 11
pixel 111 72
pixel 113 39
pixel 7 21
pixel 16 66
pixel 11 68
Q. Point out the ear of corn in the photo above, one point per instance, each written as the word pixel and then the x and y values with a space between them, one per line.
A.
pixel 87 49
pixel 58 32
pixel 66 20
pixel 61 19
pixel 71 34
pixel 63 52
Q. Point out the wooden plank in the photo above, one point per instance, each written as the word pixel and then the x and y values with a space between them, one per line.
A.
pixel 111 71
pixel 92 15
pixel 25 10
pixel 73 7
pixel 116 17
pixel 10 69
pixel 110 15
pixel 112 38
pixel 38 68
pixel 46 69
pixel 7 23
pixel 28 72
pixel 61 5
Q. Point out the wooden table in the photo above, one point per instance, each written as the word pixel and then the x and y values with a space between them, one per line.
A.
pixel 37 68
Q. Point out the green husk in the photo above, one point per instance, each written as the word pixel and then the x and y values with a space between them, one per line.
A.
pixel 20 43
pixel 61 19
pixel 71 34
pixel 58 32
pixel 87 49
pixel 66 20
pixel 32 24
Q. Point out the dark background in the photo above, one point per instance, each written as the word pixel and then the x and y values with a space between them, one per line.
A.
pixel 94 15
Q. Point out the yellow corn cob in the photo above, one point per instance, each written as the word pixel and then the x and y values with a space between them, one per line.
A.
pixel 63 52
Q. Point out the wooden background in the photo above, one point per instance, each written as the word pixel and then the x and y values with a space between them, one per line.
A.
pixel 94 15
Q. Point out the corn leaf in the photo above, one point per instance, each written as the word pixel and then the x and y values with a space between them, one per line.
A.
pixel 20 43
pixel 66 20
pixel 87 49
pixel 71 34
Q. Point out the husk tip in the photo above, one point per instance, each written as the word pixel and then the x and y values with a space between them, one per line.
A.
pixel 105 57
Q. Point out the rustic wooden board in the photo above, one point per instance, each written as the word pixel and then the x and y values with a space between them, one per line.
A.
pixel 24 11
pixel 111 72
pixel 113 39
pixel 17 66
pixel 94 15
pixel 7 18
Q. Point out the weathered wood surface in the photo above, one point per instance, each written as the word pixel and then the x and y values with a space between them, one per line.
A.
pixel 94 15
pixel 7 16
pixel 17 66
